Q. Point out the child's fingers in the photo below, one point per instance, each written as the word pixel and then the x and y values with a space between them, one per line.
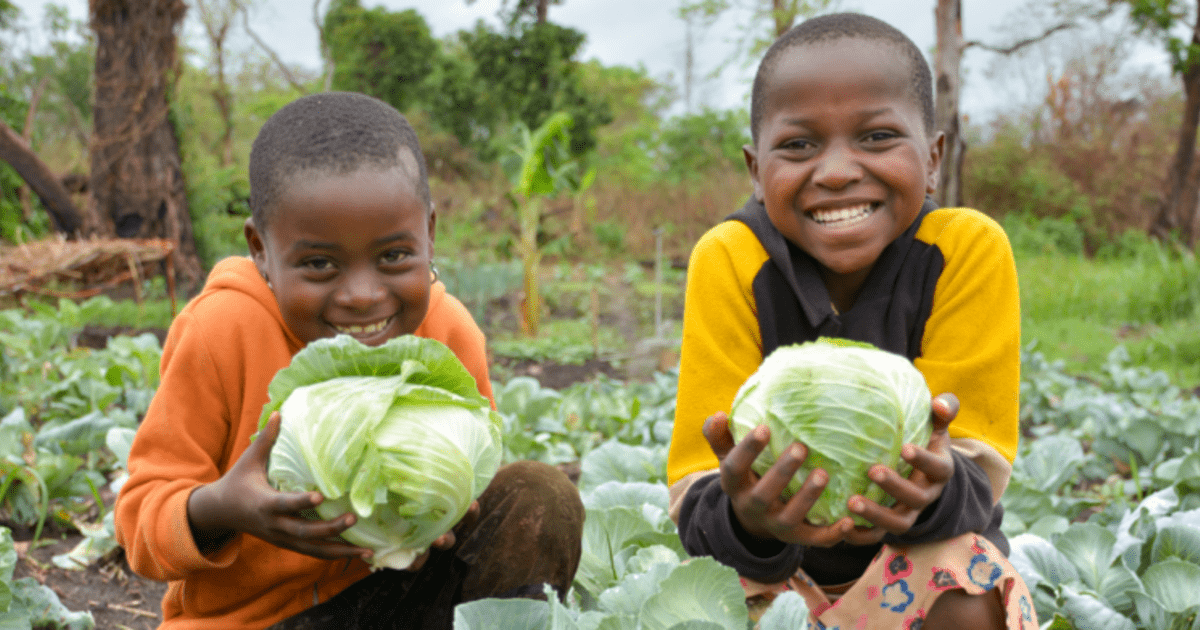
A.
pixel 259 451
pixel 445 541
pixel 896 519
pixel 945 409
pixel 716 431
pixel 811 535
pixel 865 535
pixel 293 502
pixel 299 528
pixel 736 475
pixel 767 489
pixel 325 549
pixel 795 511
pixel 936 467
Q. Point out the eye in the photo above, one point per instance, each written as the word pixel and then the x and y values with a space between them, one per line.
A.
pixel 393 256
pixel 317 264
pixel 797 144
pixel 881 135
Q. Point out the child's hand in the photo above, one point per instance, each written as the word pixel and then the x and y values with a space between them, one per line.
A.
pixel 755 500
pixel 932 468
pixel 244 501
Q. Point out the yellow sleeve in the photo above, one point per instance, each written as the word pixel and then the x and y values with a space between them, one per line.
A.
pixel 721 344
pixel 972 341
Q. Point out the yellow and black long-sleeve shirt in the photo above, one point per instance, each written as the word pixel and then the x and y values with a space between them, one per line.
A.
pixel 943 294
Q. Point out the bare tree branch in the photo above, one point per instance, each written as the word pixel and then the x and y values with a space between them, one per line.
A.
pixel 1022 43
pixel 287 74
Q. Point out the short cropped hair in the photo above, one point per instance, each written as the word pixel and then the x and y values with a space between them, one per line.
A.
pixel 835 26
pixel 335 132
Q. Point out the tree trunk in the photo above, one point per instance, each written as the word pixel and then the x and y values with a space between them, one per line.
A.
pixel 1178 210
pixel 543 11
pixel 41 179
pixel 137 188
pixel 948 18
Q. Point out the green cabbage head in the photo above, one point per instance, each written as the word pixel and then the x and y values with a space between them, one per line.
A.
pixel 398 434
pixel 852 405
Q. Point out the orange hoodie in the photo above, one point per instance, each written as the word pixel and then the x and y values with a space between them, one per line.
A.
pixel 219 357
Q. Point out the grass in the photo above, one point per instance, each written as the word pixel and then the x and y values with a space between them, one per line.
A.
pixel 1079 309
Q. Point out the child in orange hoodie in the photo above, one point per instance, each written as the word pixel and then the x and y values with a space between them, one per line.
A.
pixel 341 242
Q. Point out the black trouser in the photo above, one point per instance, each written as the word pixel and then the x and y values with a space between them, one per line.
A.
pixel 527 533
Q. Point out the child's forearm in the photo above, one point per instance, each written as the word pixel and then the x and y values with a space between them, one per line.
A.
pixel 206 519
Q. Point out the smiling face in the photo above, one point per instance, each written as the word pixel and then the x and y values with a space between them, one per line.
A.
pixel 843 160
pixel 348 254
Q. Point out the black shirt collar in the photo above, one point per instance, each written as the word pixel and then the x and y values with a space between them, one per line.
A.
pixel 802 271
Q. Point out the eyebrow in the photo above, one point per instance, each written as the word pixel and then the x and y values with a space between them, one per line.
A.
pixel 804 122
pixel 382 240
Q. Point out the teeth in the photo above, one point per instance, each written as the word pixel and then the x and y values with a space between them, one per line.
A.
pixel 842 216
pixel 363 330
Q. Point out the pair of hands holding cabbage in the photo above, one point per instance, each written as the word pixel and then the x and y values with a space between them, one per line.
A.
pixel 376 452
pixel 760 510
pixel 851 420
pixel 243 500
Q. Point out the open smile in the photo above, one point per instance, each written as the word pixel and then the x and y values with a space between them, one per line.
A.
pixel 360 330
pixel 843 217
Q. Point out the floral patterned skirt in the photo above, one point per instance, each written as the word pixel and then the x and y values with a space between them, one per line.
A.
pixel 900 585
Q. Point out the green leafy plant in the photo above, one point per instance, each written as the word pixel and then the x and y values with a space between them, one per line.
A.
pixel 58 403
pixel 25 603
pixel 1138 570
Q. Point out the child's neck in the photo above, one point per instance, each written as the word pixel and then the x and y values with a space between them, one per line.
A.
pixel 843 288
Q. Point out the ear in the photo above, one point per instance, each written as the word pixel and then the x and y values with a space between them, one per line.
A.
pixel 937 148
pixel 257 245
pixel 751 155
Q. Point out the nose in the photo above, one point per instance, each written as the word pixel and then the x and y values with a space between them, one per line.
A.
pixel 360 290
pixel 837 167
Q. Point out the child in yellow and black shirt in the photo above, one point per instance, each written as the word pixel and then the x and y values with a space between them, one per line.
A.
pixel 840 239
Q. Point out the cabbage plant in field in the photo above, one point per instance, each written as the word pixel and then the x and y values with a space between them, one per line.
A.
pixel 850 403
pixel 397 434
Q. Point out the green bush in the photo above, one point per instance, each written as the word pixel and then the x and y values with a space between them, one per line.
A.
pixel 1050 235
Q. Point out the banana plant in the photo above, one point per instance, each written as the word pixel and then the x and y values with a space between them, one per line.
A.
pixel 545 169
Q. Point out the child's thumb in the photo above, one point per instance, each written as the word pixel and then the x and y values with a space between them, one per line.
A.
pixel 945 409
pixel 266 437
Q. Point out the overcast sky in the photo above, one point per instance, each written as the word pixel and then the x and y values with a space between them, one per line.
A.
pixel 646 33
